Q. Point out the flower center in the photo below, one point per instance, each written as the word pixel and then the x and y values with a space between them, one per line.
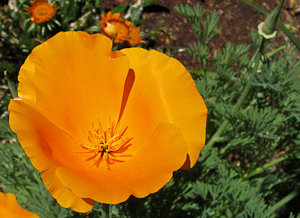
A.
pixel 107 145
pixel 42 11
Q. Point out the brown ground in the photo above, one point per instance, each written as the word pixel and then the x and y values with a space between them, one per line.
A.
pixel 236 19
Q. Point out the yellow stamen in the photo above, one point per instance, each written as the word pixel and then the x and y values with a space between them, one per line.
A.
pixel 107 145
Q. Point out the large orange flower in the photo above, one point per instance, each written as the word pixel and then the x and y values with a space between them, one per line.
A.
pixel 41 11
pixel 102 125
pixel 119 30
pixel 9 207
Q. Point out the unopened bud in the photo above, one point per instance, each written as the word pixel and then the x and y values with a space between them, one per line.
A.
pixel 268 28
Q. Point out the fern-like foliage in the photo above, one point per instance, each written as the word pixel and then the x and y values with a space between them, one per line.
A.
pixel 206 28
pixel 258 153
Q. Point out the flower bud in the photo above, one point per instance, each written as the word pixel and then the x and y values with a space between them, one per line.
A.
pixel 268 28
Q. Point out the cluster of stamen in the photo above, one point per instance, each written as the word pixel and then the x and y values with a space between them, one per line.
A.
pixel 107 145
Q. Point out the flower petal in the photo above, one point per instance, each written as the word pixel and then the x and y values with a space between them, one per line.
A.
pixel 64 196
pixel 9 207
pixel 164 92
pixel 147 171
pixel 47 147
pixel 74 88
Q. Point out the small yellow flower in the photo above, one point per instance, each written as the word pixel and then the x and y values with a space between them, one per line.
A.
pixel 41 11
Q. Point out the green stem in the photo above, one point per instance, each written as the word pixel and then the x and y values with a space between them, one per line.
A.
pixel 243 96
pixel 267 165
pixel 12 86
pixel 285 200
pixel 221 139
pixel 105 211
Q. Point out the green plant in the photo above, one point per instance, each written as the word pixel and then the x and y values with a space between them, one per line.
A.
pixel 253 122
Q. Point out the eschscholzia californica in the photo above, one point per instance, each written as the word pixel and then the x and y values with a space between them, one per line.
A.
pixel 9 207
pixel 41 11
pixel 121 31
pixel 102 125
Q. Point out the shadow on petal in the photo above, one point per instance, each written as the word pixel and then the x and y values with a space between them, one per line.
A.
pixel 127 89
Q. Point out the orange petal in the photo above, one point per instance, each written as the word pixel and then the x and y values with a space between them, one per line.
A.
pixel 127 22
pixel 164 92
pixel 135 36
pixel 103 18
pixel 47 147
pixel 109 15
pixel 116 16
pixel 151 166
pixel 74 88
pixel 102 25
pixel 64 196
pixel 9 207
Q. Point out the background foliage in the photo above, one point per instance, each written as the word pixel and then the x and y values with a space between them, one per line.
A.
pixel 251 169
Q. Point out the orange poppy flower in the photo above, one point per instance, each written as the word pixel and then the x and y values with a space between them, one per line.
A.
pixel 118 29
pixel 41 11
pixel 9 207
pixel 102 125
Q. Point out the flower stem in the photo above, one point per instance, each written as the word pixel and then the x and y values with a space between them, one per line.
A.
pixel 285 200
pixel 267 165
pixel 243 96
pixel 105 211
